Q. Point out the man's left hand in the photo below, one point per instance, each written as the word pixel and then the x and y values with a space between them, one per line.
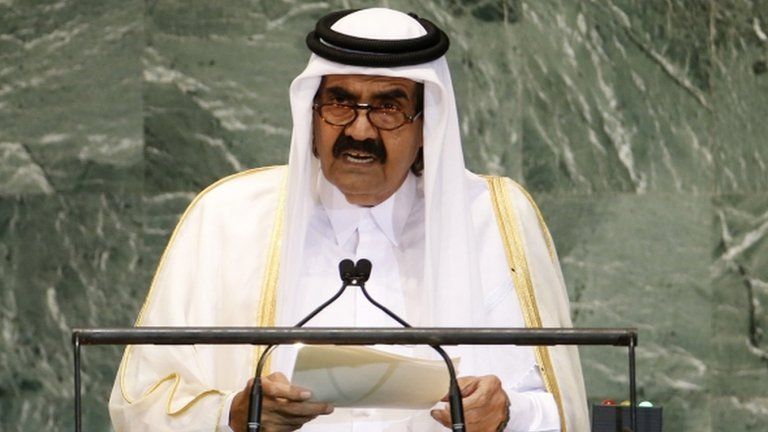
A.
pixel 485 404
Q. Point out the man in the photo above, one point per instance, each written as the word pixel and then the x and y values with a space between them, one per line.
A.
pixel 375 171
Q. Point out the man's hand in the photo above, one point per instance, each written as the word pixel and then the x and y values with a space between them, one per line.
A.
pixel 285 407
pixel 485 404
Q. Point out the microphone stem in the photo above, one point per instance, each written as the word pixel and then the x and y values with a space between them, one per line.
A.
pixel 383 308
pixel 454 393
pixel 256 396
pixel 254 408
pixel 323 306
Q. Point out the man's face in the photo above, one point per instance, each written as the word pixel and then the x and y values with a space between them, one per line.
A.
pixel 368 164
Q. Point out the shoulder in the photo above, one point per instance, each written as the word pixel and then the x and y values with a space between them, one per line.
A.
pixel 251 193
pixel 499 188
pixel 496 188
pixel 253 186
pixel 501 184
pixel 510 199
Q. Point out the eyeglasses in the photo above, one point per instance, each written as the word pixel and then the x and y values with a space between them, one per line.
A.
pixel 384 118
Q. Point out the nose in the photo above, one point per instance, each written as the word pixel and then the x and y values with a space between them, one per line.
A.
pixel 361 129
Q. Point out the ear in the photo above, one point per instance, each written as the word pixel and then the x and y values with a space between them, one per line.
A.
pixel 314 147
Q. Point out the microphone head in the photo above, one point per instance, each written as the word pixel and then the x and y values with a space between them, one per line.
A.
pixel 346 270
pixel 363 268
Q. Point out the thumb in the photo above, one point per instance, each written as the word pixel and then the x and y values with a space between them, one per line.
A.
pixel 467 386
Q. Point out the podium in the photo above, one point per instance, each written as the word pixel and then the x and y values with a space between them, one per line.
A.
pixel 626 337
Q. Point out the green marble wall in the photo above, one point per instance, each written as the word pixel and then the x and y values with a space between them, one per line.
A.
pixel 639 126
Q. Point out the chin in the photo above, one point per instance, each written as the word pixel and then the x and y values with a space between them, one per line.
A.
pixel 356 185
pixel 360 196
pixel 354 195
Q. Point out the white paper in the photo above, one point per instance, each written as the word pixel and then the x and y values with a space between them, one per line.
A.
pixel 363 377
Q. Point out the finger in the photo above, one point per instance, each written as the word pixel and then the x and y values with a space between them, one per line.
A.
pixel 279 419
pixel 279 377
pixel 442 416
pixel 474 419
pixel 281 416
pixel 279 387
pixel 297 409
pixel 274 421
pixel 488 406
pixel 468 385
pixel 488 388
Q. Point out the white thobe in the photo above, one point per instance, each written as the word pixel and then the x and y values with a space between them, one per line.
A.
pixel 391 236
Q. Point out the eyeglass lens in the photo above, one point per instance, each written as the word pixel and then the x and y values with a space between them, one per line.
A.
pixel 342 115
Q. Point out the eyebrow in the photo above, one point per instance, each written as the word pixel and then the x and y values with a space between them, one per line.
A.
pixel 343 93
pixel 395 93
pixel 340 92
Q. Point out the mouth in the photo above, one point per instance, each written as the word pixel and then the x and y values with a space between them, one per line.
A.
pixel 358 157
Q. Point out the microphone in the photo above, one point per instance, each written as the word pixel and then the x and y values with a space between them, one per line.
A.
pixel 363 273
pixel 364 270
pixel 356 275
pixel 350 274
pixel 346 270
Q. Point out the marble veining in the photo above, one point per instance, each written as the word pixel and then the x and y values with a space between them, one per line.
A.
pixel 638 125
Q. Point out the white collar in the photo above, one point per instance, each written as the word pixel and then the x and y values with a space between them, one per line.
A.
pixel 390 216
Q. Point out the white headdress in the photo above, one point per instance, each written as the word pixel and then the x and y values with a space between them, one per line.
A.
pixel 451 295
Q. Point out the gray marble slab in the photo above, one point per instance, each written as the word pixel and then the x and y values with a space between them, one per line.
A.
pixel 642 261
pixel 70 96
pixel 739 378
pixel 740 131
pixel 611 104
pixel 74 260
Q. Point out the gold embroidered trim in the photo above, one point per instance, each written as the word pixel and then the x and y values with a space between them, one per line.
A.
pixel 268 298
pixel 176 380
pixel 542 224
pixel 515 252
pixel 148 299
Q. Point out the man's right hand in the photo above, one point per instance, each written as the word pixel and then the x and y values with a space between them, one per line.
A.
pixel 285 407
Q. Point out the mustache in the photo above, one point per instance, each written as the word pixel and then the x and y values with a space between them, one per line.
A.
pixel 372 146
